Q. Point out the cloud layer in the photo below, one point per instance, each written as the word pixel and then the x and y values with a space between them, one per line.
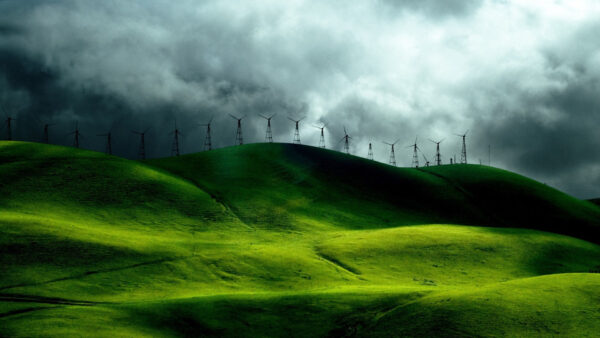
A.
pixel 523 77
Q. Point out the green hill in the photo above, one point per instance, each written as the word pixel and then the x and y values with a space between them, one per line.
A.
pixel 279 239
pixel 267 183
pixel 595 201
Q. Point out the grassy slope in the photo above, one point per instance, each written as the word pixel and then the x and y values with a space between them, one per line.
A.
pixel 279 240
pixel 595 201
pixel 354 193
pixel 517 201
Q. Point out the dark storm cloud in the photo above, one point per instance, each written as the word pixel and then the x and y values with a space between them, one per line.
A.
pixel 521 76
pixel 436 8
pixel 551 131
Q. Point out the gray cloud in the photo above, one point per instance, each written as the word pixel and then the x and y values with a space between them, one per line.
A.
pixel 522 77
pixel 436 9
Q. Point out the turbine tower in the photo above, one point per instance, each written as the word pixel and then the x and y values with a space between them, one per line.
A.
pixel 296 139
pixel 463 152
pixel 142 148
pixel 269 134
pixel 415 158
pixel 76 134
pixel 46 138
pixel 392 160
pixel 438 157
pixel 238 135
pixel 175 145
pixel 346 141
pixel 370 154
pixel 322 138
pixel 8 127
pixel 207 139
pixel 9 120
pixel 108 142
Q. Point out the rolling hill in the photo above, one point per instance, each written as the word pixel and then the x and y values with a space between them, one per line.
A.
pixel 280 239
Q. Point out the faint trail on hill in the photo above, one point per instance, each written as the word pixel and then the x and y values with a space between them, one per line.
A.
pixel 337 263
pixel 20 298
pixel 26 310
pixel 93 272
pixel 60 302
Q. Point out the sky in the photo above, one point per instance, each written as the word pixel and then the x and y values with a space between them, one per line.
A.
pixel 522 76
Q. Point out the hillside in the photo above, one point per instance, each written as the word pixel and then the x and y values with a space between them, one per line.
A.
pixel 279 240
pixel 265 183
pixel 595 201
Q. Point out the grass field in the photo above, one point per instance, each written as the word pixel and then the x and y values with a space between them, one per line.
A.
pixel 287 240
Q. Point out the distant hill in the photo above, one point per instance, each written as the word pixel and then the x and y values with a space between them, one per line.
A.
pixel 595 201
pixel 287 240
pixel 266 183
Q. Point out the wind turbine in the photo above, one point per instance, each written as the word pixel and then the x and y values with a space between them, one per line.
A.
pixel 142 148
pixel 438 157
pixel 392 160
pixel 415 158
pixel 9 120
pixel 47 132
pixel 370 153
pixel 346 141
pixel 108 136
pixel 463 152
pixel 207 139
pixel 46 126
pixel 175 145
pixel 322 138
pixel 269 134
pixel 238 135
pixel 76 134
pixel 296 139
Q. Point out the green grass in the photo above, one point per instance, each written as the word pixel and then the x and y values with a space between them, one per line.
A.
pixel 280 240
